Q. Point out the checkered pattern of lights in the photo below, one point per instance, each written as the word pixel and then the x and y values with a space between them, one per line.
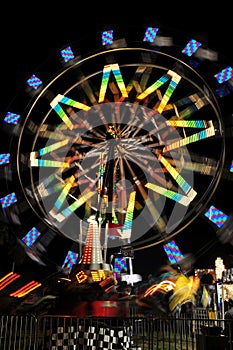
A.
pixel 216 216
pixel 89 337
pixel 31 237
pixel 173 252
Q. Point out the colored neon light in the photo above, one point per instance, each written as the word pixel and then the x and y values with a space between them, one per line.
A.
pixel 173 252
pixel 224 75
pixel 187 123
pixel 216 216
pixel 105 79
pixel 31 237
pixel 67 54
pixel 26 289
pixel 4 158
pixel 101 174
pixel 81 276
pixel 70 259
pixel 8 200
pixel 47 163
pixel 178 178
pixel 8 279
pixel 98 275
pixel 107 37
pixel 93 252
pixel 190 139
pixel 53 147
pixel 120 265
pixel 71 208
pixel 60 200
pixel 231 166
pixel 34 82
pixel 177 197
pixel 69 102
pixel 12 118
pixel 191 47
pixel 165 286
pixel 175 78
pixel 127 228
pixel 150 34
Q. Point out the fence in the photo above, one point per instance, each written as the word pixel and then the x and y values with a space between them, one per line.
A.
pixel 52 332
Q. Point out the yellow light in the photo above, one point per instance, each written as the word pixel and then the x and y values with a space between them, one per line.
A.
pixel 81 276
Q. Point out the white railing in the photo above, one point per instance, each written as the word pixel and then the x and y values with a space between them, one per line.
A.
pixel 56 332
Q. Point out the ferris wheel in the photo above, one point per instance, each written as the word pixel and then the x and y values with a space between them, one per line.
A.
pixel 131 134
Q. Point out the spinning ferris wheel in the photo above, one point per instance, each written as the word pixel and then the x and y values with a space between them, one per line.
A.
pixel 131 134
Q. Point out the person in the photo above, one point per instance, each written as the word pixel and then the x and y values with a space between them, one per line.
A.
pixel 228 316
pixel 208 289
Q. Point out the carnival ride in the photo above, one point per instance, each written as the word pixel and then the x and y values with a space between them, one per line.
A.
pixel 119 150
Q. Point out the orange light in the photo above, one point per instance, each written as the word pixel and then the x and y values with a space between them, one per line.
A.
pixel 26 289
pixel 81 277
pixel 7 279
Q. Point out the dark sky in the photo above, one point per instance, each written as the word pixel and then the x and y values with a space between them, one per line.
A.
pixel 30 34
